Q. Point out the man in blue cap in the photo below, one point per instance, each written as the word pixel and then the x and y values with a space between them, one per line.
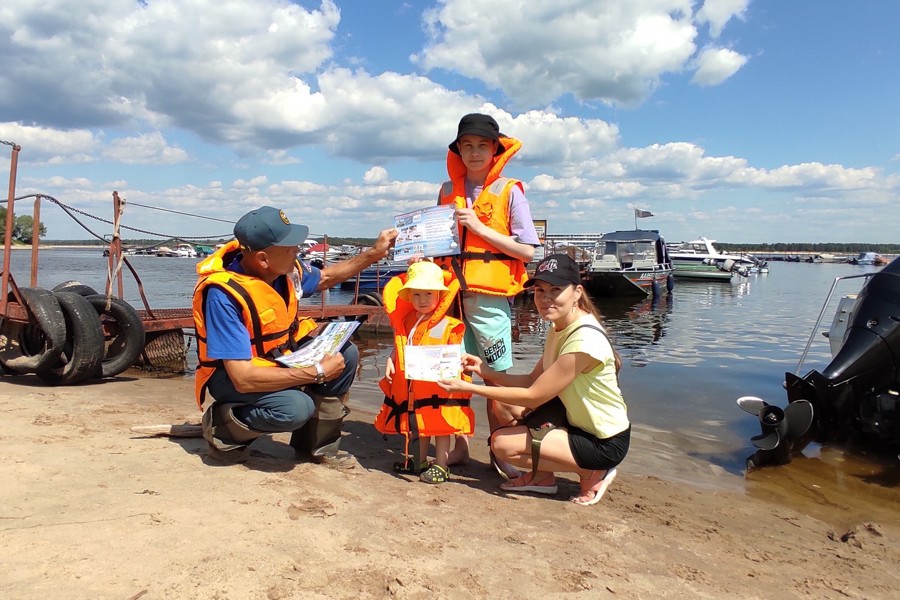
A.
pixel 245 310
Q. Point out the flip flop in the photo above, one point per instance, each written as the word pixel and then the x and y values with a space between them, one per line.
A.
pixel 520 485
pixel 507 471
pixel 597 488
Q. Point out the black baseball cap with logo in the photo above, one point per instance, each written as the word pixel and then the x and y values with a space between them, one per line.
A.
pixel 267 226
pixel 556 269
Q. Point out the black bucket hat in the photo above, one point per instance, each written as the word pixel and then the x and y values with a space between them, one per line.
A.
pixel 481 125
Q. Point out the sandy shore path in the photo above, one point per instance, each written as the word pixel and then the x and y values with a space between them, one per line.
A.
pixel 90 510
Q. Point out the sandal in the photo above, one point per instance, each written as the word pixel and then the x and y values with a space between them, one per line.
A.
pixel 407 467
pixel 504 469
pixel 592 490
pixel 435 474
pixel 526 483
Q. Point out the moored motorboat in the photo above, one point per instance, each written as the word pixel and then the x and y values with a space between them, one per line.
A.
pixel 374 277
pixel 708 271
pixel 857 396
pixel 869 258
pixel 686 256
pixel 626 263
pixel 185 251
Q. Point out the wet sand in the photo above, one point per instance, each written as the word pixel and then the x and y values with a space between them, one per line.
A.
pixel 89 509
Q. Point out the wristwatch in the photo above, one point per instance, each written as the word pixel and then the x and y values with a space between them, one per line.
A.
pixel 320 373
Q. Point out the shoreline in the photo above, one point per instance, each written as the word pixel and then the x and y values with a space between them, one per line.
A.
pixel 93 510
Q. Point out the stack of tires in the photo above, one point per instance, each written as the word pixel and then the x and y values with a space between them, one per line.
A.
pixel 65 343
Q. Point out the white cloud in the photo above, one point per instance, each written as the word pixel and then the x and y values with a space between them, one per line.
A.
pixel 248 184
pixel 718 12
pixel 375 175
pixel 42 145
pixel 148 149
pixel 715 65
pixel 226 69
pixel 616 52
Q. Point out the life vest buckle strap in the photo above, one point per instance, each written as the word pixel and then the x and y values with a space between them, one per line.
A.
pixel 486 256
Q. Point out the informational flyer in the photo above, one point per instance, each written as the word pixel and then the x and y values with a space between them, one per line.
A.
pixel 433 363
pixel 329 341
pixel 426 233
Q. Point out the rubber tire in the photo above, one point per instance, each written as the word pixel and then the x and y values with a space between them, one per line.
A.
pixel 75 286
pixel 83 353
pixel 128 340
pixel 371 299
pixel 38 344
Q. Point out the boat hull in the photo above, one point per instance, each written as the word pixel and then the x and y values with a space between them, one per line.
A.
pixel 371 281
pixel 627 283
pixel 700 272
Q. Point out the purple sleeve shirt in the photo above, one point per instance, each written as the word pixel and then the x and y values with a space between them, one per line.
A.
pixel 521 225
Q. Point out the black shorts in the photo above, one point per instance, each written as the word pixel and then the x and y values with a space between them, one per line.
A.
pixel 597 454
pixel 590 452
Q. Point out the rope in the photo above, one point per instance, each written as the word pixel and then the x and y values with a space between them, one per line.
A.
pixel 71 209
pixel 178 212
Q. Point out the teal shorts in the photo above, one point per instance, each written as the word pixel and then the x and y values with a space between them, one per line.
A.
pixel 488 322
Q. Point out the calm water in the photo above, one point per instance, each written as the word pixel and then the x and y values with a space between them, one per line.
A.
pixel 687 358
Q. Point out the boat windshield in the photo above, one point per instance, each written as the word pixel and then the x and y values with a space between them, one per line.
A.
pixel 631 252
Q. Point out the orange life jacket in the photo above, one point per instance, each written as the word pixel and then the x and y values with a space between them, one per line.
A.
pixel 272 320
pixel 412 408
pixel 481 266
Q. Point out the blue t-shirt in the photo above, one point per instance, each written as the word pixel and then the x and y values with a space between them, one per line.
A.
pixel 227 337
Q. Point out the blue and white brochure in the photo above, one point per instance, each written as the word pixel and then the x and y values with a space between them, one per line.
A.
pixel 426 233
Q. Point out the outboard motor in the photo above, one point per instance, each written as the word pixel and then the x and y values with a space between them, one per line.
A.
pixel 857 396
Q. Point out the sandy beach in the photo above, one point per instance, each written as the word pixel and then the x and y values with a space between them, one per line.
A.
pixel 89 509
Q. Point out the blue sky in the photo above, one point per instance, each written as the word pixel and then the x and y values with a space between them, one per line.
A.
pixel 738 120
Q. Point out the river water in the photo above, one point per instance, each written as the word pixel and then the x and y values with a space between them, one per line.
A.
pixel 687 358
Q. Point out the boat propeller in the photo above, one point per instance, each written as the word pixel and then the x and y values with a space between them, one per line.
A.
pixel 781 428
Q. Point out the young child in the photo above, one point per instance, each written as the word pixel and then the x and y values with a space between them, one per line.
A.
pixel 417 303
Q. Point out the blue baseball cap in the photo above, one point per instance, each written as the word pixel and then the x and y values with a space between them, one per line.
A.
pixel 266 227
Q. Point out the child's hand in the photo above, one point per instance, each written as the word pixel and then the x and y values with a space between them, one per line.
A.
pixel 471 364
pixel 467 218
pixel 389 370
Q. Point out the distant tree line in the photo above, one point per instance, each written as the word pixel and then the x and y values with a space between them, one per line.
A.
pixel 23 228
pixel 830 247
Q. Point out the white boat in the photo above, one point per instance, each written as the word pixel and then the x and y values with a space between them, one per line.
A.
pixel 185 251
pixel 689 258
pixel 869 258
pixel 320 253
